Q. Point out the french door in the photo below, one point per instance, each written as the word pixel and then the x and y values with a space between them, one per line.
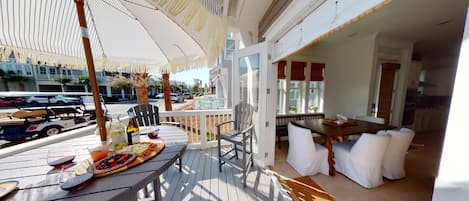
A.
pixel 251 84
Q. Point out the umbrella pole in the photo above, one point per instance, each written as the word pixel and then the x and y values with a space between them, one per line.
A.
pixel 167 92
pixel 91 70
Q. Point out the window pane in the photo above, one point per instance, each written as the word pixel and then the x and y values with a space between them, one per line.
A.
pixel 249 79
pixel 19 70
pixel 313 103
pixel 230 44
pixel 281 92
pixel 296 97
pixel 27 68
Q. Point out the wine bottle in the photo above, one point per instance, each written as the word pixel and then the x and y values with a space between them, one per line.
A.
pixel 132 128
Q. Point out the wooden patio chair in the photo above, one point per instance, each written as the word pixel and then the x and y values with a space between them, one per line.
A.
pixel 241 135
pixel 148 115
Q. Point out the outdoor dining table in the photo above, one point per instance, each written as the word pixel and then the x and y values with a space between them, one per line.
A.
pixel 38 181
pixel 333 132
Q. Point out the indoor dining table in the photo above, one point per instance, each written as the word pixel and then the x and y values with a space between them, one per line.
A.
pixel 39 181
pixel 333 132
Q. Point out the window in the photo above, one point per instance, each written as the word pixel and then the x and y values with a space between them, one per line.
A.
pixel 28 70
pixel 281 93
pixel 295 94
pixel 315 89
pixel 230 47
pixel 52 71
pixel 19 69
pixel 42 70
pixel 69 72
pixel 10 68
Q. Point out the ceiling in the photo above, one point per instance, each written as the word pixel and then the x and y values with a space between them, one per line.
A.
pixel 435 26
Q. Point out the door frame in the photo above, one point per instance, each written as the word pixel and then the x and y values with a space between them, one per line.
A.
pixel 266 109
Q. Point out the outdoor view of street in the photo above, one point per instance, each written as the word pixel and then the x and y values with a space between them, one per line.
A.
pixel 114 109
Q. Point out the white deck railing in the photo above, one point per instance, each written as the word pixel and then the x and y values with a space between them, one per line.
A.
pixel 199 125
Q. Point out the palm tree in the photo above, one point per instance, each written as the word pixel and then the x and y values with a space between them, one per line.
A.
pixel 63 81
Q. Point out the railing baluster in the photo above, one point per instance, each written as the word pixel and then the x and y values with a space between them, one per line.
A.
pixel 203 130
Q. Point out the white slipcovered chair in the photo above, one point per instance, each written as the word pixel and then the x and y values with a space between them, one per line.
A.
pixel 394 158
pixel 362 161
pixel 305 156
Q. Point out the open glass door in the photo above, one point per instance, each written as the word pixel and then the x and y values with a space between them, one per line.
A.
pixel 250 85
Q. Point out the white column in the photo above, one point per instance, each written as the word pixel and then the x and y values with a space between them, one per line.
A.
pixel 452 182
pixel 108 91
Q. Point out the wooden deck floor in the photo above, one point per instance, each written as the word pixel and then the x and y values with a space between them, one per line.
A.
pixel 201 180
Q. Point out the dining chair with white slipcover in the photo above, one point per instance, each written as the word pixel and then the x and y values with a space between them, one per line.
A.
pixel 362 161
pixel 394 158
pixel 305 156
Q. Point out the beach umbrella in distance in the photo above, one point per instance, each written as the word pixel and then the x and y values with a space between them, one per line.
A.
pixel 134 36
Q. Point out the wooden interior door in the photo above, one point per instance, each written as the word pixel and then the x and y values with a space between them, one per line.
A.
pixel 388 72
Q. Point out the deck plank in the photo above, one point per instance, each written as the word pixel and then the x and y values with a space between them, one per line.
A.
pixel 201 180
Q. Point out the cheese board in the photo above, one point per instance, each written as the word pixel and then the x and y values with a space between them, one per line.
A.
pixel 141 152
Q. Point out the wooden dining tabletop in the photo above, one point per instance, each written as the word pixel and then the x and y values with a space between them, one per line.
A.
pixel 331 132
pixel 38 181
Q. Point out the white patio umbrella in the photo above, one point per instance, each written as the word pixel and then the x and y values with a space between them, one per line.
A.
pixel 125 35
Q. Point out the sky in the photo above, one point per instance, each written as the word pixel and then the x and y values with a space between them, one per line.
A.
pixel 188 76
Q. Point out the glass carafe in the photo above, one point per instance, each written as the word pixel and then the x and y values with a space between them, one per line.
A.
pixel 116 133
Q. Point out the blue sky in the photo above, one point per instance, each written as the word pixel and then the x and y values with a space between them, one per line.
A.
pixel 188 76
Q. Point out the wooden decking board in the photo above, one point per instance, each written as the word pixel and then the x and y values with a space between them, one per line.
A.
pixel 214 185
pixel 190 184
pixel 205 183
pixel 177 193
pixel 201 180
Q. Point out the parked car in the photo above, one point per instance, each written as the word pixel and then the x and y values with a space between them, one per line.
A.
pixel 59 99
pixel 12 101
pixel 188 95
pixel 159 96
pixel 177 98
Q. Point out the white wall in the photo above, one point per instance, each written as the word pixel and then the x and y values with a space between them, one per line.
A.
pixel 347 74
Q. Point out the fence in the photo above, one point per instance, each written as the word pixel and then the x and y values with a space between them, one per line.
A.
pixel 200 125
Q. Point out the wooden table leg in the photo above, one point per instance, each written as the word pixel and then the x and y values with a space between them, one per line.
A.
pixel 330 156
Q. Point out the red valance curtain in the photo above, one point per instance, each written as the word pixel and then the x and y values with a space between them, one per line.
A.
pixel 281 70
pixel 316 71
pixel 298 71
